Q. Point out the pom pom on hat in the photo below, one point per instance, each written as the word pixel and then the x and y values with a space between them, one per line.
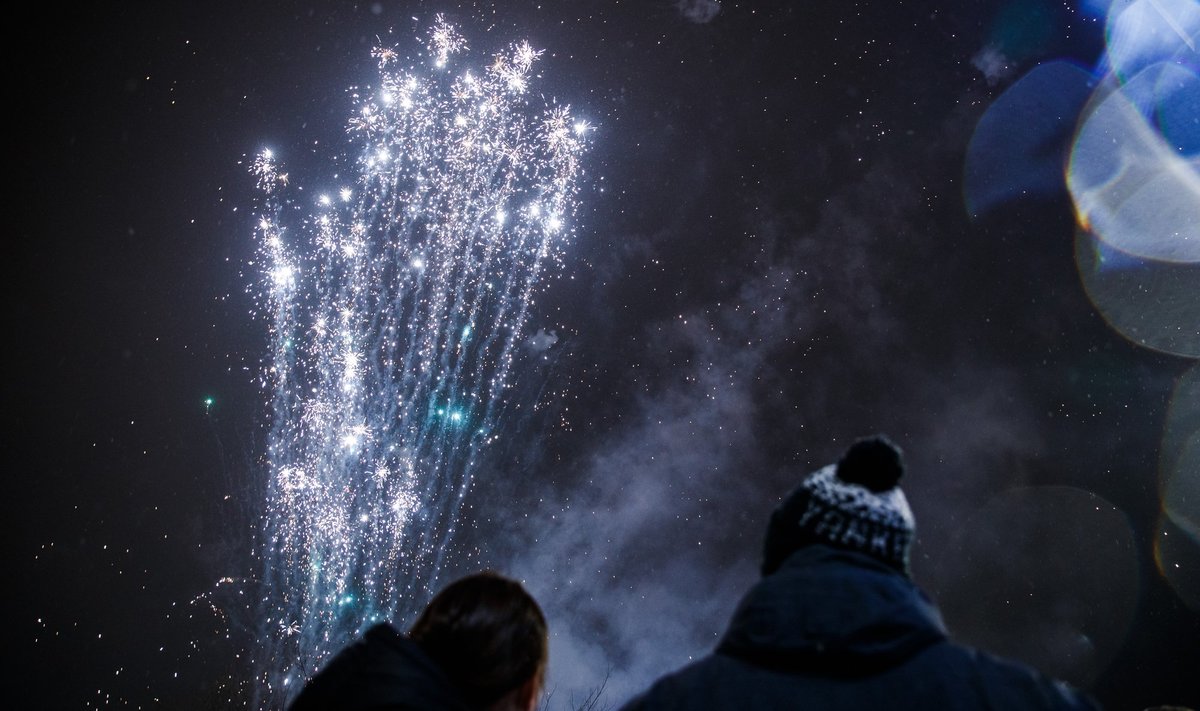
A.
pixel 873 463
pixel 854 505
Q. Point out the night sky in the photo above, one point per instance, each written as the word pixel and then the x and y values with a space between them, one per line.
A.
pixel 787 240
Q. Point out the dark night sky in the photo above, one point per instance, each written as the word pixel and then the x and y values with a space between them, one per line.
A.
pixel 781 260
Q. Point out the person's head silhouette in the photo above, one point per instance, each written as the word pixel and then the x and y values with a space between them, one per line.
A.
pixel 480 645
pixel 489 636
pixel 855 504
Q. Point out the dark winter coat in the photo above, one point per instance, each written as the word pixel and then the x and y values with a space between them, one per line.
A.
pixel 383 670
pixel 834 629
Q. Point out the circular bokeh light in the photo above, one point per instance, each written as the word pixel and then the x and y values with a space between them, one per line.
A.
pixel 1049 576
pixel 1132 187
pixel 1153 304
pixel 1003 165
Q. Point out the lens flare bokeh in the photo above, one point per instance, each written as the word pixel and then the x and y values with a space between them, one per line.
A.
pixel 1177 542
pixel 1134 175
pixel 1134 187
pixel 1004 164
pixel 1130 167
pixel 397 303
pixel 1151 303
pixel 1143 33
pixel 1134 178
pixel 1060 571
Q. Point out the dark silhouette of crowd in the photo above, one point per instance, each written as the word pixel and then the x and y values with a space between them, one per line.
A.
pixel 836 622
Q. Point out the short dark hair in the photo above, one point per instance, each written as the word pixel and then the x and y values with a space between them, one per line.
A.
pixel 486 633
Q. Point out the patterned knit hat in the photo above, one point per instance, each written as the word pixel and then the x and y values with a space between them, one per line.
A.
pixel 854 504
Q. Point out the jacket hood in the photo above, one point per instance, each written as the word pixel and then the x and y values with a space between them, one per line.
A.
pixel 833 610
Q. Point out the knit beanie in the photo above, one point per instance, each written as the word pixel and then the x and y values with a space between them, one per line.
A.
pixel 854 505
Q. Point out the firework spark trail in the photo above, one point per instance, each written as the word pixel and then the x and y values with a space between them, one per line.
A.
pixel 396 310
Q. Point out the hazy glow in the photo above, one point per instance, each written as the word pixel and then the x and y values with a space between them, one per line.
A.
pixel 395 315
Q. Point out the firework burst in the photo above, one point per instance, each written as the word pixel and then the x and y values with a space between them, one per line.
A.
pixel 396 306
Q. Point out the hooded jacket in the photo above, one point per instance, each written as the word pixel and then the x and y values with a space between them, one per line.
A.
pixel 835 629
pixel 383 670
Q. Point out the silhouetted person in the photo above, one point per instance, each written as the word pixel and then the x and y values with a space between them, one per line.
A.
pixel 836 623
pixel 480 645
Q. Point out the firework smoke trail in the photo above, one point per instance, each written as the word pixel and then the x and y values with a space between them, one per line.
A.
pixel 396 310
